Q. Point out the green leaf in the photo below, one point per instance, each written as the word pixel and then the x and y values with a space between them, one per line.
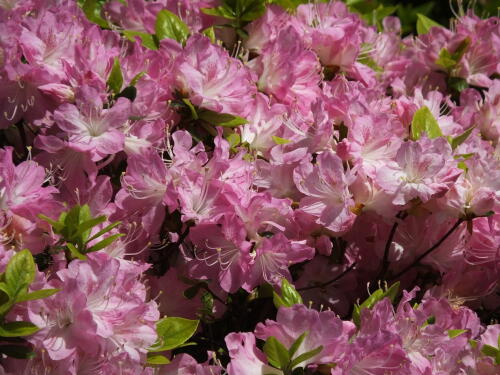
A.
pixel 6 302
pixel 104 243
pixel 356 315
pixel 173 332
pixel 289 296
pixel 459 139
pixel 296 344
pixel 424 24
pixel 38 294
pixel 210 33
pixel 424 121
pixel 461 49
pixel 19 274
pixel 92 9
pixel 222 119
pixel 279 140
pixel 191 107
pixel 157 359
pixel 220 11
pixel 250 10
pixel 72 221
pixel 375 297
pixel 276 353
pixel 136 78
pixel 17 329
pixel 17 351
pixel 234 139
pixel 445 60
pixel 74 252
pixel 56 225
pixel 291 5
pixel 147 39
pixel 430 320
pixel 489 350
pixel 457 84
pixel 392 291
pixel 169 25
pixel 104 231
pixel 305 356
pixel 85 227
pixel 375 16
pixel 448 61
pixel 115 79
pixel 452 333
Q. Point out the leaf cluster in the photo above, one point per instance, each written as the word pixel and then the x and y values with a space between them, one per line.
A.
pixel 75 228
pixel 14 288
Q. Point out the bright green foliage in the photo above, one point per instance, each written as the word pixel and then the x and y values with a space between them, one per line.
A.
pixel 238 10
pixel 424 121
pixel 424 24
pixel 169 25
pixel 238 13
pixel 212 118
pixel 376 296
pixel 148 40
pixel 157 359
pixel 491 351
pixel 279 140
pixel 75 228
pixel 14 285
pixel 92 9
pixel 447 60
pixel 282 358
pixel 277 354
pixel 452 333
pixel 173 332
pixel 289 295
pixel 221 119
pixel 210 33
pixel 459 139
pixel 115 80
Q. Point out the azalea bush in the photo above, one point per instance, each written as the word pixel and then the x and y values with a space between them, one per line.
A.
pixel 249 187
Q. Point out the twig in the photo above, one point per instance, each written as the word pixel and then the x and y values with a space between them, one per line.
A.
pixel 434 247
pixel 385 260
pixel 348 269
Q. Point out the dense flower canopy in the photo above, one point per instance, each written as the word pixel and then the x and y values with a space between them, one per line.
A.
pixel 248 187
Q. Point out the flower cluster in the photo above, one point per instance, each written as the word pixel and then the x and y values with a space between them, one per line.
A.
pixel 173 161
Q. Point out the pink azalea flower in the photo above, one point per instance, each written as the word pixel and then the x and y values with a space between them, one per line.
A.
pixel 416 173
pixel 321 328
pixel 477 190
pixel 246 358
pixel 107 310
pixel 325 187
pixel 371 143
pixel 264 122
pixel 482 247
pixel 288 71
pixel 332 32
pixel 224 246
pixel 214 80
pixel 266 28
pixel 21 190
pixel 50 37
pixel 91 128
pixel 272 257
pixel 184 364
